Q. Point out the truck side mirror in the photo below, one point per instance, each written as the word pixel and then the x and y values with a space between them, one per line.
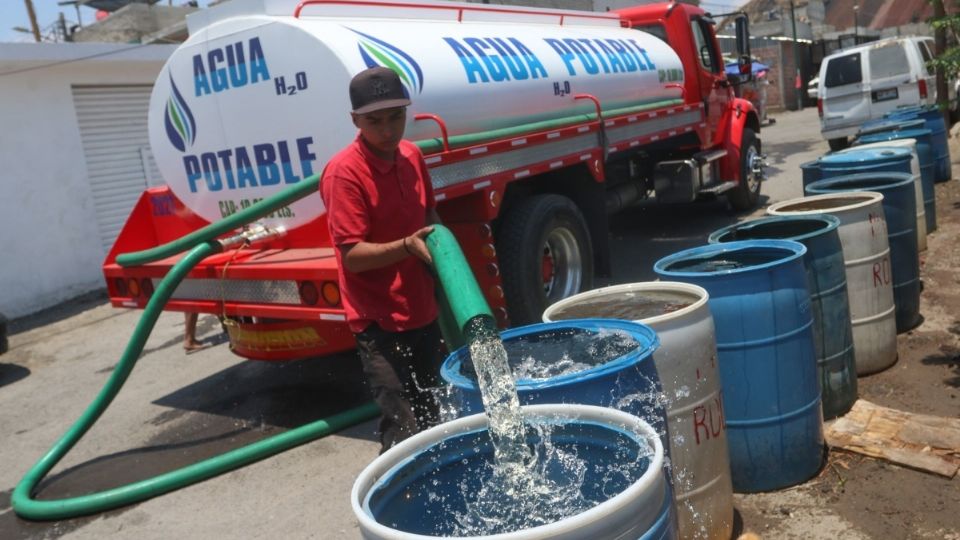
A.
pixel 743 35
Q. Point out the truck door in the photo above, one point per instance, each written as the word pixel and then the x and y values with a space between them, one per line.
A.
pixel 713 84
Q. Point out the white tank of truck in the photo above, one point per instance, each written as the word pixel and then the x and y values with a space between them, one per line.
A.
pixel 257 99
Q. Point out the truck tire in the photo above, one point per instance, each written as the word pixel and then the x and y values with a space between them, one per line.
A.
pixel 545 254
pixel 838 144
pixel 747 193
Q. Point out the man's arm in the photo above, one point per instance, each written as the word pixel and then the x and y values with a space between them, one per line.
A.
pixel 364 256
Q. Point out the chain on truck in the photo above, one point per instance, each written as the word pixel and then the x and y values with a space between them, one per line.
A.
pixel 537 124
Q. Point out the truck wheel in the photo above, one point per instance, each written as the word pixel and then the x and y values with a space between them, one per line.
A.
pixel 747 192
pixel 838 144
pixel 545 254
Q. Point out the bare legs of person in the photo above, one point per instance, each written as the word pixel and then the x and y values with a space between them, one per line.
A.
pixel 190 343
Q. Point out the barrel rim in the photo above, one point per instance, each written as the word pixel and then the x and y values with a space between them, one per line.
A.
pixel 870 197
pixel 798 251
pixel 400 455
pixel 637 286
pixel 884 136
pixel 877 156
pixel 832 224
pixel 898 180
pixel 450 369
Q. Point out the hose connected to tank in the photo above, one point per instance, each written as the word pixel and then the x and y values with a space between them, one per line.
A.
pixel 27 507
pixel 456 282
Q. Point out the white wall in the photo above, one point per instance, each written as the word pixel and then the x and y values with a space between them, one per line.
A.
pixel 49 244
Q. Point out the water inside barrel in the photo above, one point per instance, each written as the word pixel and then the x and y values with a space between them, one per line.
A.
pixel 551 353
pixel 627 305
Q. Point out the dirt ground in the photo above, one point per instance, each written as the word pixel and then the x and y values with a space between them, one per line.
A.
pixel 862 497
pixel 177 409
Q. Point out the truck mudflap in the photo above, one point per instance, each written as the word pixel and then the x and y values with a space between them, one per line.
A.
pixel 287 340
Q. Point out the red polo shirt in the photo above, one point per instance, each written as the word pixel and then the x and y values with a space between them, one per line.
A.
pixel 369 199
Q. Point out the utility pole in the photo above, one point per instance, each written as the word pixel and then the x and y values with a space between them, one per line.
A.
pixel 856 25
pixel 940 43
pixel 796 57
pixel 33 20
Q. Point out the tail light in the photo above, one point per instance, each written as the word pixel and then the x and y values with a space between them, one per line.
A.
pixel 331 293
pixel 309 294
pixel 146 285
pixel 922 85
pixel 134 287
pixel 120 285
pixel 820 107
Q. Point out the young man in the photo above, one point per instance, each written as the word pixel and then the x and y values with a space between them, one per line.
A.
pixel 380 204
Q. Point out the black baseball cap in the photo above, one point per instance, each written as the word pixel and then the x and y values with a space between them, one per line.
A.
pixel 375 89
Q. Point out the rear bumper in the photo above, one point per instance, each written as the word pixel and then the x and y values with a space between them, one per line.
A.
pixel 839 132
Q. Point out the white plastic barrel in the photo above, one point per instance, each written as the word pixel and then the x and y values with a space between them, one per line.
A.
pixel 257 98
pixel 866 254
pixel 686 364
pixel 910 144
pixel 643 510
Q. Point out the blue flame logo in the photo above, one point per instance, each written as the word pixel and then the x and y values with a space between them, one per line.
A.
pixel 376 52
pixel 178 119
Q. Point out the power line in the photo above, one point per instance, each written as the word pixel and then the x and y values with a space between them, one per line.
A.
pixel 72 60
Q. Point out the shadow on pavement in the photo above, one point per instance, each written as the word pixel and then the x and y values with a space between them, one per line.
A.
pixel 11 373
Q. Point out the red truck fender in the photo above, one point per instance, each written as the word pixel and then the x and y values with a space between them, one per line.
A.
pixel 742 115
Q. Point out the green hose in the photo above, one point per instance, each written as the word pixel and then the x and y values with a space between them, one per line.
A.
pixel 268 205
pixel 29 508
pixel 459 287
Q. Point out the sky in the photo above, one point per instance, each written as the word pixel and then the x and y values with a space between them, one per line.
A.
pixel 14 13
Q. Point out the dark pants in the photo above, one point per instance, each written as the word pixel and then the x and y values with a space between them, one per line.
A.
pixel 401 367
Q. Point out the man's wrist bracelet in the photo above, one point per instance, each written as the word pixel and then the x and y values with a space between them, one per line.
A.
pixel 405 248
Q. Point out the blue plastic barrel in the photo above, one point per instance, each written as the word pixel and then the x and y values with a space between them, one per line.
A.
pixel 933 120
pixel 927 166
pixel 889 124
pixel 431 485
pixel 855 161
pixel 810 171
pixel 621 372
pixel 827 280
pixel 900 211
pixel 771 396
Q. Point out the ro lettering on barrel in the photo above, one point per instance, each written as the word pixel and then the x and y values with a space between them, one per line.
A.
pixel 881 272
pixel 709 418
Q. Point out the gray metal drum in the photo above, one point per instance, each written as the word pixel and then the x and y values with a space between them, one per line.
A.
pixel 686 364
pixel 866 253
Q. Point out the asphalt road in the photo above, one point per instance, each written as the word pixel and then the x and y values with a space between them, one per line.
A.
pixel 176 409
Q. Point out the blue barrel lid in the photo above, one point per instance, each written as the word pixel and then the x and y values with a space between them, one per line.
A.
pixel 777 252
pixel 891 124
pixel 872 156
pixel 795 227
pixel 906 111
pixel 895 135
pixel 647 342
pixel 879 181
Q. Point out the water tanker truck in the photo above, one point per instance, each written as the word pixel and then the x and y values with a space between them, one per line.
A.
pixel 536 124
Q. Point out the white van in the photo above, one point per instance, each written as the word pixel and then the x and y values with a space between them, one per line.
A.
pixel 864 82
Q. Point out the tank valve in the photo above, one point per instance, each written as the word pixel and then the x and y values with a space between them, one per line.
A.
pixel 254 234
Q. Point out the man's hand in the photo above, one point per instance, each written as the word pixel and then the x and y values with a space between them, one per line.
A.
pixel 417 246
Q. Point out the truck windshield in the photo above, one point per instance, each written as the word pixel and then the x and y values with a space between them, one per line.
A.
pixel 655 29
pixel 843 70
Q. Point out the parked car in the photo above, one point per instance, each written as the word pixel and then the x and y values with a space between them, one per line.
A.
pixel 812 92
pixel 865 82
